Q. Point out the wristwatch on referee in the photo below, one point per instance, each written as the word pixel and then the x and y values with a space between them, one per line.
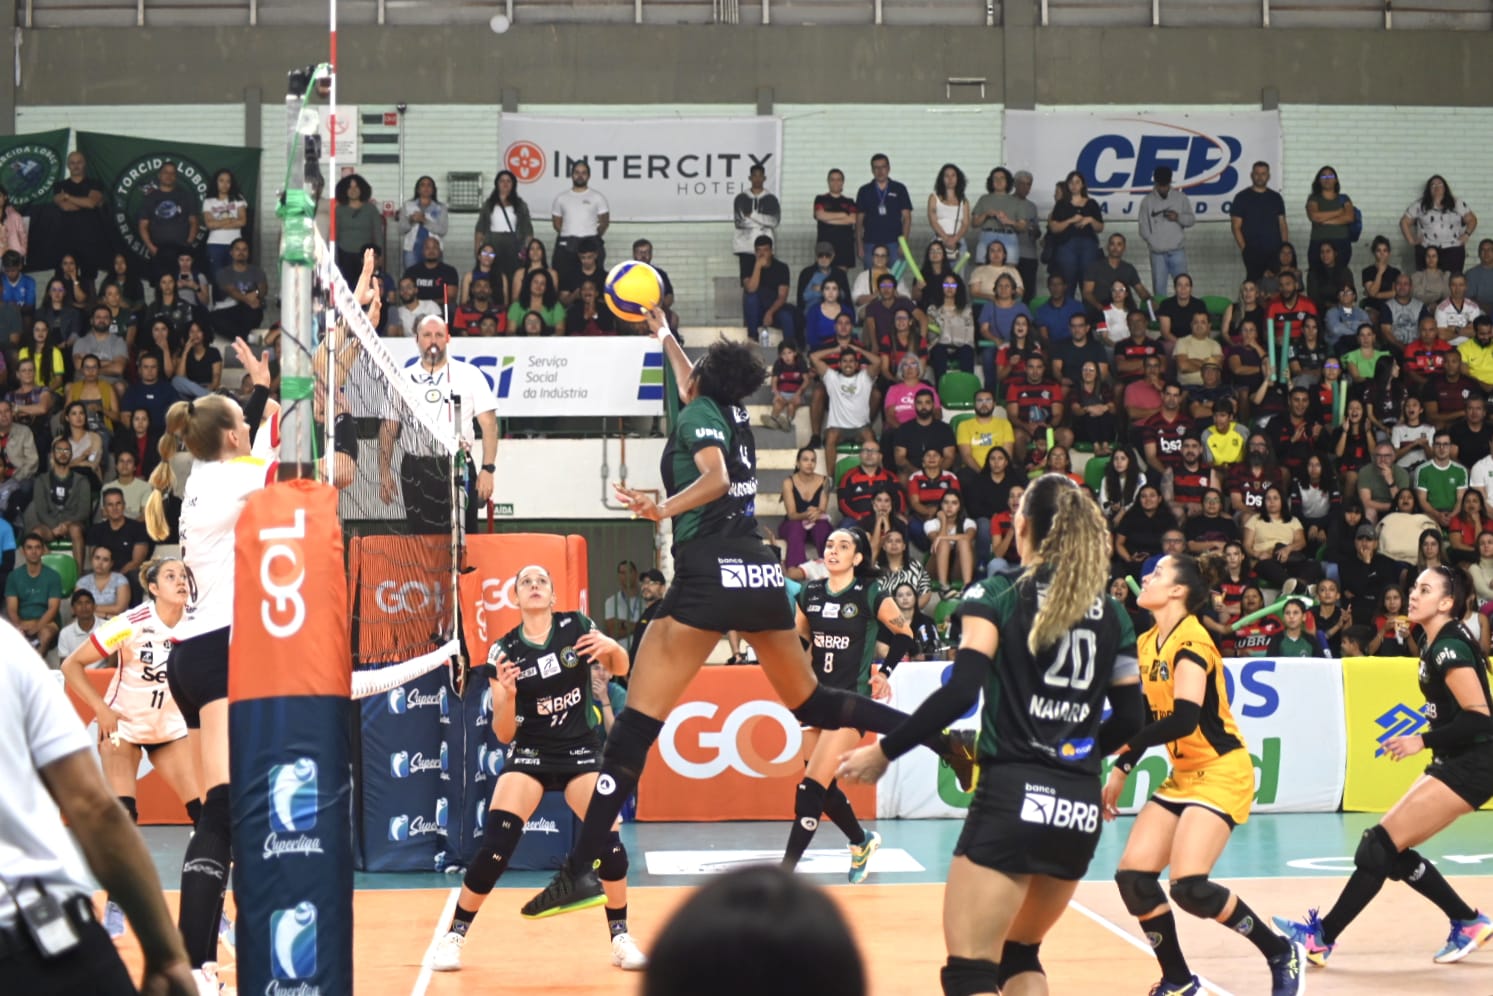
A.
pixel 488 468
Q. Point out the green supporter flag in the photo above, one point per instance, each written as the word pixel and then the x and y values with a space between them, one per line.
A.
pixel 127 168
pixel 31 164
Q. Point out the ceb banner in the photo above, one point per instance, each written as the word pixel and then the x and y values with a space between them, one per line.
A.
pixel 730 751
pixel 1383 700
pixel 1209 153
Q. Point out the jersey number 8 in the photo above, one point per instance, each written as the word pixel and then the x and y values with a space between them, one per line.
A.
pixel 1073 661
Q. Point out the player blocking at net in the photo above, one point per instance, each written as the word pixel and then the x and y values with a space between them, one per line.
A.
pixel 725 579
pixel 540 676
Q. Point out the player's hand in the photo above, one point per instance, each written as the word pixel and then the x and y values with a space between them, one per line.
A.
pixel 1399 748
pixel 595 644
pixel 864 765
pixel 1109 797
pixel 386 487
pixel 881 689
pixel 108 722
pixel 639 503
pixel 507 670
pixel 656 321
pixel 376 306
pixel 168 980
pixel 257 369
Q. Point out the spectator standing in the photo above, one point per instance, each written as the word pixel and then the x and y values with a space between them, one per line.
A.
pixel 242 291
pixel 623 608
pixel 1439 220
pixel 1074 226
pixel 1001 216
pixel 33 596
pixel 422 218
pixel 505 223
pixel 1030 252
pixel 948 212
pixel 81 231
pixel 224 215
pixel 579 213
pixel 755 212
pixel 1480 277
pixel 883 213
pixel 764 299
pixel 1331 212
pixel 1258 218
pixel 1100 278
pixel 12 226
pixel 168 221
pixel 834 221
pixel 1165 216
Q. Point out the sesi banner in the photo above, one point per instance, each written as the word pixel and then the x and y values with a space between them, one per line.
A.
pixel 648 169
pixel 1210 154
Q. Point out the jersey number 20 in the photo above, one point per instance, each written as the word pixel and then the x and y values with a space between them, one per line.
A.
pixel 1073 661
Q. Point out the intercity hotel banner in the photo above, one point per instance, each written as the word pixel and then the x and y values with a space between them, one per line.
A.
pixel 648 169
pixel 1210 154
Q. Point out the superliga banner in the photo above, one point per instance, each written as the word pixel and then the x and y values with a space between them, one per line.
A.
pixel 1210 154
pixel 31 164
pixel 548 376
pixel 649 169
pixel 127 168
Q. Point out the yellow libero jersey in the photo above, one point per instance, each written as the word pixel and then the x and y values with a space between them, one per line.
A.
pixel 1217 733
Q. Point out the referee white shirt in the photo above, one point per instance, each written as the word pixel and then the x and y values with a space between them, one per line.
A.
pixel 37 727
pixel 435 386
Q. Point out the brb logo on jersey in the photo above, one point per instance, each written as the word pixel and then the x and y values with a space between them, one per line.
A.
pixel 293 946
pixel 1043 805
pixel 693 750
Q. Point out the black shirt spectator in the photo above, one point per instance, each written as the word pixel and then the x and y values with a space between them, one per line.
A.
pixel 433 278
pixel 120 542
pixel 842 237
pixel 1472 444
pixel 1363 582
pixel 1181 314
pixel 913 439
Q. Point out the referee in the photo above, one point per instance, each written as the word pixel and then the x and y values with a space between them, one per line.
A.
pixel 50 942
pixel 423 477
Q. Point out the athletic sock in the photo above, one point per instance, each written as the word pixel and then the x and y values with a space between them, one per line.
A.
pixel 617 920
pixel 1361 889
pixel 204 878
pixel 461 920
pixel 128 802
pixel 1161 931
pixel 1427 881
pixel 1244 921
pixel 838 808
pixel 194 811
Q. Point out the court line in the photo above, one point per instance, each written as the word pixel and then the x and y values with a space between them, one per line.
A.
pixel 422 981
pixel 1134 941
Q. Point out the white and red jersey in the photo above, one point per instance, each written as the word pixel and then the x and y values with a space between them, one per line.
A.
pixel 139 693
pixel 211 502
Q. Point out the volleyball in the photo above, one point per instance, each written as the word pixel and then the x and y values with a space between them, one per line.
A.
pixel 633 289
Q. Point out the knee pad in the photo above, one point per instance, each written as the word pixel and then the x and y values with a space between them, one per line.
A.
pixel 613 864
pixel 969 976
pixel 1376 853
pixel 808 804
pixel 1017 959
pixel 627 745
pixel 1140 891
pixel 1200 896
pixel 500 836
pixel 217 817
pixel 128 802
pixel 1408 866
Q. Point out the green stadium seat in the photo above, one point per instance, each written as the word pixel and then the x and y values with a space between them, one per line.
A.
pixel 1216 306
pixel 1037 302
pixel 957 419
pixel 1093 473
pixel 943 612
pixel 66 568
pixel 956 389
pixel 844 464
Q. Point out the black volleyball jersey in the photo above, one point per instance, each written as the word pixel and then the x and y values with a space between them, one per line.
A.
pixel 843 631
pixel 553 704
pixel 1452 648
pixel 701 424
pixel 1047 709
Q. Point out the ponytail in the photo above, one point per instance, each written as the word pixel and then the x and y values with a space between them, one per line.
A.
pixel 1074 538
pixel 163 478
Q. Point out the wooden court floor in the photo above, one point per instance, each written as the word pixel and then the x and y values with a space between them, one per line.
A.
pixel 1095 948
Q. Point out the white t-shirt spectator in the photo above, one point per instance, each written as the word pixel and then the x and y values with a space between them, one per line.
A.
pixel 932 526
pixel 1403 435
pixel 1439 227
pixel 408 318
pixel 579 213
pixel 849 399
pixel 74 636
pixel 1481 477
pixel 37 727
pixel 1449 316
pixel 220 210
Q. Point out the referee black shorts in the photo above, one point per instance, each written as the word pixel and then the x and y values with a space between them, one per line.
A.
pixel 725 584
pixel 1029 819
pixel 197 673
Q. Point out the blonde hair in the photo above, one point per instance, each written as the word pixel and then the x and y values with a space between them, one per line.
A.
pixel 1074 539
pixel 201 424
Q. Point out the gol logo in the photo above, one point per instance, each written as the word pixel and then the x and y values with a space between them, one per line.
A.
pixel 282 572
pixel 526 160
pixel 497 595
pixel 733 744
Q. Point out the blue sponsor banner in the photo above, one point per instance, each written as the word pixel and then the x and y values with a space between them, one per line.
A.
pixel 291 798
pixel 406 771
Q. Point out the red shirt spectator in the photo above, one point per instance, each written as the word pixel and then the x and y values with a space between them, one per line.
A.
pixel 930 491
pixel 1167 434
pixel 466 320
pixel 859 486
pixel 1425 359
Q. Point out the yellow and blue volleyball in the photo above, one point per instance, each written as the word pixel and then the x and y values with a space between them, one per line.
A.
pixel 633 289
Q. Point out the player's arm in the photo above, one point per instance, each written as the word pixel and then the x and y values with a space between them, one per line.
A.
pixel 504 685
pixel 801 623
pixel 1189 685
pixel 602 648
pixel 682 365
pixel 1471 725
pixel 87 655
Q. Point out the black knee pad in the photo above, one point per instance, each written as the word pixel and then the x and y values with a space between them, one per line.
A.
pixel 128 802
pixel 1408 866
pixel 808 804
pixel 1017 959
pixel 819 710
pixel 1200 896
pixel 1376 853
pixel 1140 891
pixel 627 745
pixel 217 817
pixel 969 976
pixel 500 837
pixel 613 864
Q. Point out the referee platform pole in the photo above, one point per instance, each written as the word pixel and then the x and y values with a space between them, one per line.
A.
pixel 290 659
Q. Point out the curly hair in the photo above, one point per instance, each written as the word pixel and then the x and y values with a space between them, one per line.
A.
pixel 729 372
pixel 1073 538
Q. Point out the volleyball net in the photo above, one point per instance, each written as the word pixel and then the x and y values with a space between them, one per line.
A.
pixel 400 473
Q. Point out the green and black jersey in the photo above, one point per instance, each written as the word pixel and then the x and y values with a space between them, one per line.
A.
pixel 704 423
pixel 1047 709
pixel 553 700
pixel 1452 648
pixel 843 631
